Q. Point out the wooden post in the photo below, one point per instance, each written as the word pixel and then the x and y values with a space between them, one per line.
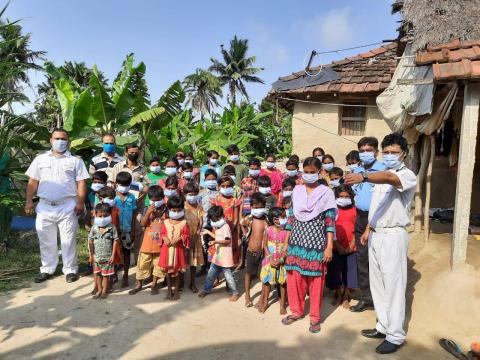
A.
pixel 428 189
pixel 466 163
pixel 420 180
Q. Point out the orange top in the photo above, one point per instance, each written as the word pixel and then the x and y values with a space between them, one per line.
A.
pixel 151 238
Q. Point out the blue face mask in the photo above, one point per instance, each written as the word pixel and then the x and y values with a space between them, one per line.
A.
pixel 367 157
pixel 97 186
pixel 253 173
pixel 335 183
pixel 265 190
pixel 211 184
pixel 328 166
pixel 170 192
pixel 109 148
pixel 286 193
pixel 310 178
pixel 175 215
pixel 170 171
pixel 234 157
pixel 292 173
pixel 227 191
pixel 353 167
pixel 102 221
pixel 392 161
pixel 60 145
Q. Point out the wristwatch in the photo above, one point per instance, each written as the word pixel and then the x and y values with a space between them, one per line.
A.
pixel 365 176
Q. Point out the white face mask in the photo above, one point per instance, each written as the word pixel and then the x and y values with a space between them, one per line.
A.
pixel 189 161
pixel 344 202
pixel 188 174
pixel 292 173
pixel 180 161
pixel 211 184
pixel 265 190
pixel 213 162
pixel 270 164
pixel 234 158
pixel 353 167
pixel 175 215
pixel 108 201
pixel 335 183
pixel 60 145
pixel 170 192
pixel 123 189
pixel 287 193
pixel 103 221
pixel 218 224
pixel 192 199
pixel 155 169
pixel 282 221
pixel 258 213
pixel 158 203
pixel 170 171
pixel 328 166
pixel 227 191
pixel 253 172
pixel 97 186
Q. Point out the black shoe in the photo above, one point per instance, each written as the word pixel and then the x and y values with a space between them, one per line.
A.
pixel 387 347
pixel 42 277
pixel 361 306
pixel 72 277
pixel 373 334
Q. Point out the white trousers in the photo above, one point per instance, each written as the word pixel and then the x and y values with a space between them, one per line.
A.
pixel 49 220
pixel 387 256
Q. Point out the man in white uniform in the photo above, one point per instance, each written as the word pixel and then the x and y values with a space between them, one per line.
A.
pixel 387 238
pixel 58 178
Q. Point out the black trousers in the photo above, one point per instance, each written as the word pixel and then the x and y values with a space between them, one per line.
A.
pixel 362 257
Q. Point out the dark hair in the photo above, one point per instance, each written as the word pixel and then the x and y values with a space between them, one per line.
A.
pixel 272 156
pixel 288 181
pixel 190 187
pixel 154 159
pixel 275 212
pixel 100 175
pixel 345 188
pixel 318 149
pixel 291 162
pixel 187 166
pixel 106 193
pixel 312 161
pixel 295 158
pixel 264 181
pixel 336 171
pixel 189 154
pixel 108 134
pixel 225 179
pixel 155 191
pixel 395 139
pixel 124 178
pixel 131 146
pixel 175 202
pixel 258 198
pixel 232 148
pixel 211 172
pixel 287 200
pixel 328 156
pixel 368 140
pixel 215 213
pixel 254 161
pixel 172 159
pixel 353 155
pixel 229 169
pixel 212 152
pixel 171 180
pixel 101 207
pixel 58 129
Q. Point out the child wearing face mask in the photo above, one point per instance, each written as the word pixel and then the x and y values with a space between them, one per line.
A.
pixel 273 272
pixel 229 170
pixel 196 171
pixel 328 163
pixel 103 239
pixel 222 261
pixel 211 164
pixel 336 175
pixel 174 240
pixel 288 184
pixel 265 188
pixel 231 208
pixel 254 226
pixel 186 175
pixel 171 170
pixel 342 270
pixel 293 171
pixel 171 187
pixel 155 173
pixel 287 205
pixel 275 175
pixel 194 215
pixel 249 185
pixel 127 206
pixel 147 263
pixel 353 161
pixel 99 180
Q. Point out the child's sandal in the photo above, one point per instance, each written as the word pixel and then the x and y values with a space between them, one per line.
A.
pixel 314 328
pixel 290 319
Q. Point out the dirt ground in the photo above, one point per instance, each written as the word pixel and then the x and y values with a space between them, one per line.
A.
pixel 55 320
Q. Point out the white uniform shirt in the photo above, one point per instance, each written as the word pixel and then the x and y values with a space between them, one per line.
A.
pixel 390 206
pixel 57 175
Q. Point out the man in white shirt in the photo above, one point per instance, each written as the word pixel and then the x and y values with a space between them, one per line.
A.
pixel 58 178
pixel 387 238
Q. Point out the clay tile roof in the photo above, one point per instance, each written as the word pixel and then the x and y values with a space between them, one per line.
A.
pixel 454 60
pixel 370 71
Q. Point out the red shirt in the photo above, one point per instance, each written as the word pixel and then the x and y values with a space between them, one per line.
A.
pixel 345 225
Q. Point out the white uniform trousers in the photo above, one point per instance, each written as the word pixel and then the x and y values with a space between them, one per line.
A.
pixel 387 256
pixel 49 219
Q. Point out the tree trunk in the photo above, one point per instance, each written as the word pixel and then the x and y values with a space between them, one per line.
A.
pixel 428 189
pixel 421 178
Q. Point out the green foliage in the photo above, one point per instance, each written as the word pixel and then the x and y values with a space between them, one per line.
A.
pixel 203 88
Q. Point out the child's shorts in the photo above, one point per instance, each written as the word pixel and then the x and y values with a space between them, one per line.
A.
pixel 147 265
pixel 253 261
pixel 104 268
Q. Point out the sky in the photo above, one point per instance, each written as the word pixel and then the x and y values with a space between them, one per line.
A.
pixel 173 38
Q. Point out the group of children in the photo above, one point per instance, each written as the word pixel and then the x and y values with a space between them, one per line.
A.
pixel 213 220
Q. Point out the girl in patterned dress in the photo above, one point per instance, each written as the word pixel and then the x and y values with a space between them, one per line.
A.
pixel 273 272
pixel 310 244
pixel 175 238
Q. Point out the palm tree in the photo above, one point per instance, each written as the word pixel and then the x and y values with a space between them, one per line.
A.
pixel 202 88
pixel 236 69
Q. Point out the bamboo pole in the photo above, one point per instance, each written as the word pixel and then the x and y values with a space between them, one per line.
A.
pixel 428 190
pixel 421 178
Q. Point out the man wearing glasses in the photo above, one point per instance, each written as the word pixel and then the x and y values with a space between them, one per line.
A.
pixel 58 178
pixel 387 238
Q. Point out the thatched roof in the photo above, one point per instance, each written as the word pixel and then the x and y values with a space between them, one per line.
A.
pixel 435 22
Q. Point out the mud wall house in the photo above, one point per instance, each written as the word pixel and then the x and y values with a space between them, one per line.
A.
pixel 334 106
pixel 434 99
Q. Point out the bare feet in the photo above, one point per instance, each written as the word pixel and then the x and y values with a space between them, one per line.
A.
pixel 125 282
pixel 97 295
pixel 104 295
pixel 193 288
pixel 262 308
pixel 248 303
pixel 136 289
pixel 234 298
pixel 202 294
pixel 154 291
pixel 216 283
pixel 94 291
pixel 283 311
pixel 346 304
pixel 176 296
